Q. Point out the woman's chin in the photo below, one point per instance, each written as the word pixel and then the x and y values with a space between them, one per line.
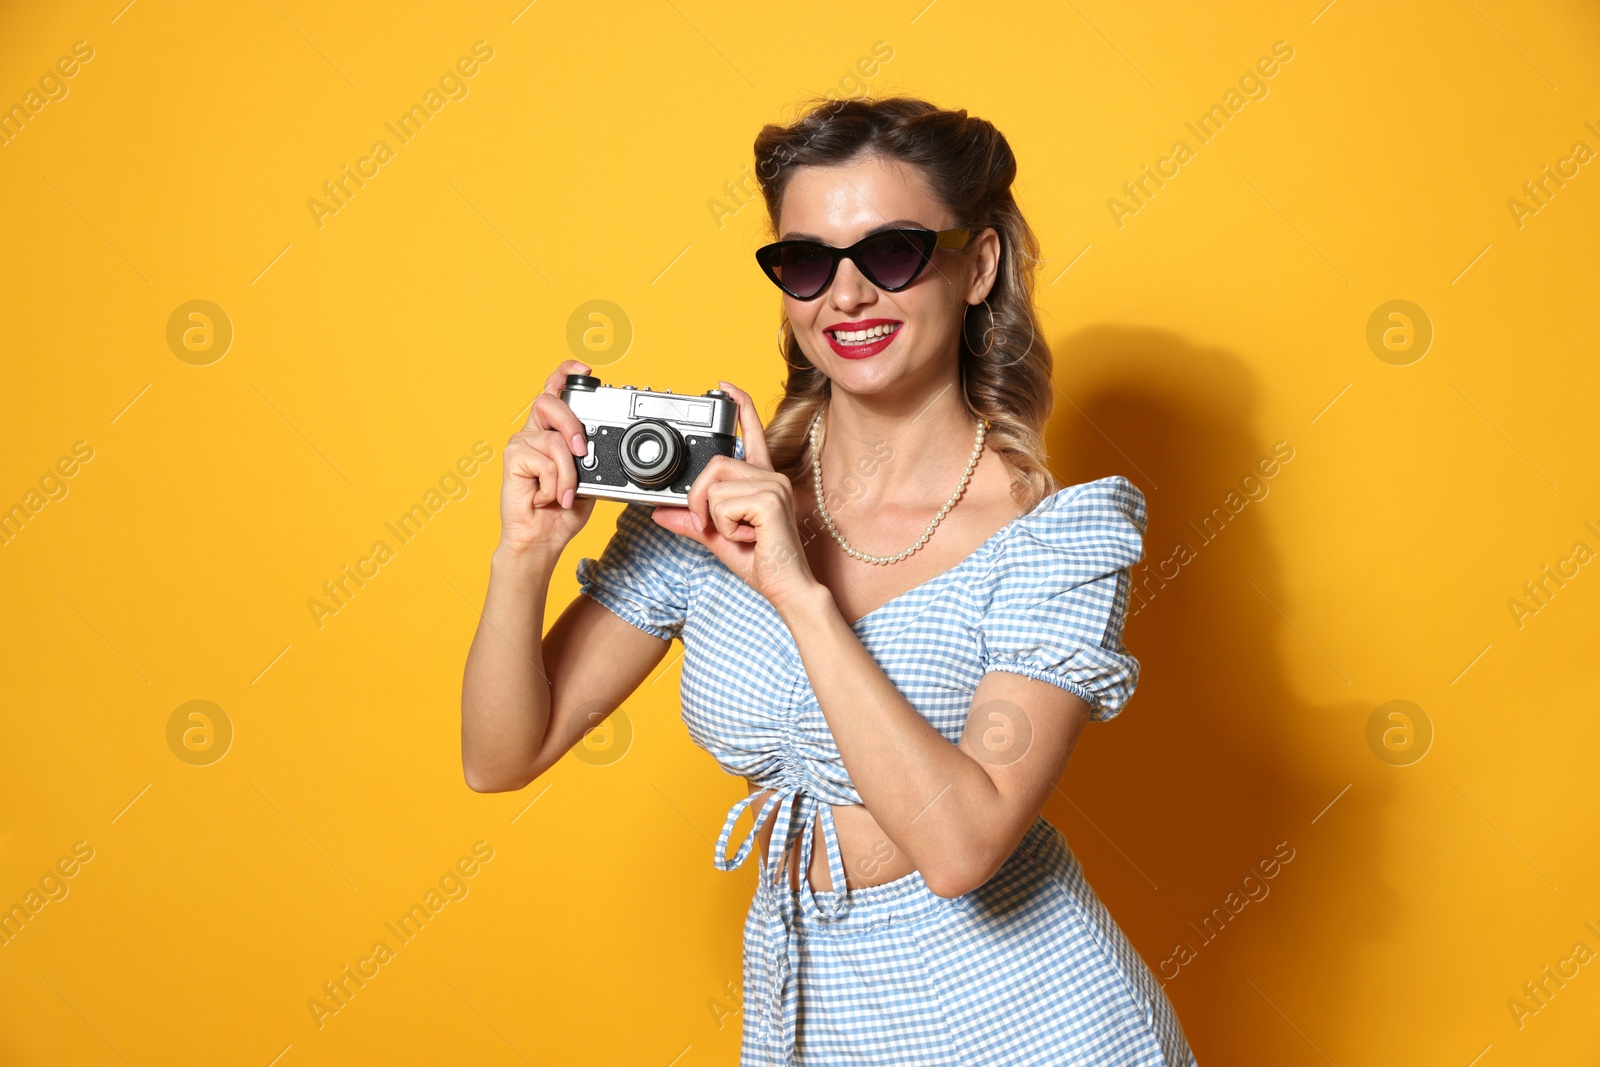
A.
pixel 857 378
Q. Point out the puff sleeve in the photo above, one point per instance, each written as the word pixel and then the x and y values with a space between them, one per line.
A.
pixel 643 573
pixel 1061 597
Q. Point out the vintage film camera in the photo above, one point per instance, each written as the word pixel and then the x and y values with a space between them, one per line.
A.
pixel 647 445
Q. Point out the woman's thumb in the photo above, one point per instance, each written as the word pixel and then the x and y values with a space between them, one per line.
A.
pixel 678 520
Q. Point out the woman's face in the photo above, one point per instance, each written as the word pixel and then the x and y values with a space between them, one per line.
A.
pixel 839 206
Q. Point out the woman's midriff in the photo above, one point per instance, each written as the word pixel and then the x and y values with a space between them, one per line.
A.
pixel 869 857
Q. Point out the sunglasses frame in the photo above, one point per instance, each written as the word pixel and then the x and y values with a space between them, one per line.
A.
pixel 767 255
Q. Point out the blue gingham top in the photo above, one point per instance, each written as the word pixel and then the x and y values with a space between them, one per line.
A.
pixel 1045 597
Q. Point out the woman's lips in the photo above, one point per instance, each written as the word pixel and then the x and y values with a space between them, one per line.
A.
pixel 871 348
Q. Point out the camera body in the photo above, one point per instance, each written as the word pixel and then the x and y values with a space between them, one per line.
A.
pixel 647 445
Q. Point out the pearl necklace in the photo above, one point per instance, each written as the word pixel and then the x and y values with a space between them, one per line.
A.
pixel 827 520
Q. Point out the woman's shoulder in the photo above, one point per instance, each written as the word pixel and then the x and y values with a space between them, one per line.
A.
pixel 1105 519
pixel 1113 498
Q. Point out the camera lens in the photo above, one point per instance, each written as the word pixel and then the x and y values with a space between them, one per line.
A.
pixel 652 453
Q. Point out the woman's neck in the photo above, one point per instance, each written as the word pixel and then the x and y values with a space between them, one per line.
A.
pixel 908 450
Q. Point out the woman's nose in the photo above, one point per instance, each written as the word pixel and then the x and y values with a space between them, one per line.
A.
pixel 850 288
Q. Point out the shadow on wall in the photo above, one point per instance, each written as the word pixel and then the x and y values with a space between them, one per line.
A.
pixel 1192 810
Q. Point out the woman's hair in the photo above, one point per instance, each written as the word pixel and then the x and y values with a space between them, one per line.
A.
pixel 969 166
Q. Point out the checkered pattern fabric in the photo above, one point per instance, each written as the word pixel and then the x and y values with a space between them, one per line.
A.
pixel 1029 968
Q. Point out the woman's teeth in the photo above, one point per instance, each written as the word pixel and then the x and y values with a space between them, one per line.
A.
pixel 857 337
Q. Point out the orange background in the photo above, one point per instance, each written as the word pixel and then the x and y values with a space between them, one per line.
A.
pixel 372 347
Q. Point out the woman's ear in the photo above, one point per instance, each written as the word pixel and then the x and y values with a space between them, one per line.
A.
pixel 986 264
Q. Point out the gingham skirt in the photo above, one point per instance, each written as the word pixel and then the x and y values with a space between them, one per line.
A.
pixel 1028 969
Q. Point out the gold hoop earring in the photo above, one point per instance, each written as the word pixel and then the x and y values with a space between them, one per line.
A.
pixel 989 333
pixel 782 349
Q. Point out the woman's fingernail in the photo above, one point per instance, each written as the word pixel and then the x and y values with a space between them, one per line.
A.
pixel 699 523
pixel 566 498
pixel 722 384
pixel 580 444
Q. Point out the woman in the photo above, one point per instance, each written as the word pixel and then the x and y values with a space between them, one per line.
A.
pixel 901 657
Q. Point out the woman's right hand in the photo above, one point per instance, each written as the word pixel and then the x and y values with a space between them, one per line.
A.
pixel 539 505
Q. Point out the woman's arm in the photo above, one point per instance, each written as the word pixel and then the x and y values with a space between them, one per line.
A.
pixel 525 701
pixel 505 693
pixel 527 697
pixel 957 811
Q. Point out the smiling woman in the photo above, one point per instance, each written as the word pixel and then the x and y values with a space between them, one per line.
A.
pixel 901 692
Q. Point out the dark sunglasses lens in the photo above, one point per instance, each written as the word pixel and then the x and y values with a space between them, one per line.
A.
pixel 892 259
pixel 803 269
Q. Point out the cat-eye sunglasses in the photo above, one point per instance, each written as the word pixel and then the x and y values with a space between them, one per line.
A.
pixel 889 259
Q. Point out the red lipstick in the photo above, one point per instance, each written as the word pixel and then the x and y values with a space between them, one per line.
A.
pixel 870 348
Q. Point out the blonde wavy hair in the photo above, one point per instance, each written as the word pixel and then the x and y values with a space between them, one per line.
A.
pixel 1006 374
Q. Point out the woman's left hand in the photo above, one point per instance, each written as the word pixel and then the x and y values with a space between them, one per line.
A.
pixel 743 511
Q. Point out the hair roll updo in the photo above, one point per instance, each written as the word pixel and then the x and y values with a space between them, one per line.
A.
pixel 969 166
